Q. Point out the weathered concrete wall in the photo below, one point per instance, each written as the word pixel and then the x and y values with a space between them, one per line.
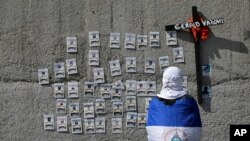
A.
pixel 32 36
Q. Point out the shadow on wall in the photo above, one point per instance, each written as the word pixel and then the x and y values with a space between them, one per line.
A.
pixel 211 49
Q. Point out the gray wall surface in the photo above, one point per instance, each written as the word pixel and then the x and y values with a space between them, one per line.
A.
pixel 33 35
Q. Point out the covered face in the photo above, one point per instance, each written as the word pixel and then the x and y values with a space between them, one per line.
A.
pixel 172 87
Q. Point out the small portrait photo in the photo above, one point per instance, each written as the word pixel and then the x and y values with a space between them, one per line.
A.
pixel 117 109
pixel 141 120
pixel 115 68
pixel 206 70
pixel 114 40
pixel 149 66
pixel 206 91
pixel 116 94
pixel 76 125
pixel 74 110
pixel 98 75
pixel 141 88
pixel 71 66
pixel 130 41
pixel 130 64
pixel 147 103
pixel 94 39
pixel 59 90
pixel 184 82
pixel 131 120
pixel 163 62
pixel 151 88
pixel 131 103
pixel 118 85
pixel 100 125
pixel 178 55
pixel 142 42
pixel 71 44
pixel 106 90
pixel 116 125
pixel 89 110
pixel 89 126
pixel 131 87
pixel 59 70
pixel 100 106
pixel 93 57
pixel 48 122
pixel 89 89
pixel 43 76
pixel 62 124
pixel 154 39
pixel 171 38
pixel 73 90
pixel 61 106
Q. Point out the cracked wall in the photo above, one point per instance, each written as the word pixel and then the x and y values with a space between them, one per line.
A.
pixel 33 34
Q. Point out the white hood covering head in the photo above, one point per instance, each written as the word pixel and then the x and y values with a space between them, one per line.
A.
pixel 172 87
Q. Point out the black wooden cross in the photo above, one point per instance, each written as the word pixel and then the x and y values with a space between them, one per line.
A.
pixel 197 23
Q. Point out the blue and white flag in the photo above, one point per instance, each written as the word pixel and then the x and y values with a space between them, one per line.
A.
pixel 178 122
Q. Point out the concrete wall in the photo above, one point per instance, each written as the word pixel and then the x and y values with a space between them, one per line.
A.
pixel 33 33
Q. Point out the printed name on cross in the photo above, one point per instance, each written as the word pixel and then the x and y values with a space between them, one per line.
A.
pixel 189 25
pixel 240 132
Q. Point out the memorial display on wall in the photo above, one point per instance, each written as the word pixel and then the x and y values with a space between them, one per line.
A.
pixel 62 124
pixel 141 120
pixel 178 55
pixel 100 125
pixel 89 111
pixel 117 125
pixel 115 68
pixel 141 88
pixel 147 102
pixel 206 70
pixel 76 125
pixel 131 103
pixel 71 44
pixel 131 87
pixel 149 65
pixel 94 39
pixel 171 38
pixel 73 89
pixel 116 94
pixel 130 64
pixel 89 126
pixel 71 66
pixel 206 92
pixel 154 39
pixel 106 90
pixel 48 122
pixel 74 110
pixel 98 75
pixel 117 109
pixel 94 57
pixel 100 107
pixel 59 90
pixel 130 41
pixel 89 89
pixel 59 70
pixel 142 42
pixel 184 83
pixel 43 76
pixel 163 62
pixel 61 106
pixel 131 119
pixel 114 40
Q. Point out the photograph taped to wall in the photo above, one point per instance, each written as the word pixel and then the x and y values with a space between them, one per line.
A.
pixel 116 95
pixel 163 62
pixel 61 105
pixel 131 120
pixel 154 39
pixel 76 125
pixel 71 44
pixel 206 70
pixel 114 40
pixel 98 75
pixel 106 90
pixel 117 109
pixel 171 38
pixel 74 110
pixel 89 110
pixel 100 125
pixel 131 103
pixel 94 39
pixel 115 68
pixel 184 83
pixel 62 123
pixel 141 88
pixel 116 125
pixel 59 70
pixel 130 64
pixel 100 106
pixel 178 55
pixel 141 120
pixel 118 85
pixel 89 89
pixel 142 41
pixel 206 92
pixel 71 66
pixel 149 66
pixel 147 103
pixel 73 90
pixel 43 76
pixel 151 88
pixel 131 87
pixel 48 122
pixel 89 126
pixel 130 41
pixel 94 57
pixel 59 90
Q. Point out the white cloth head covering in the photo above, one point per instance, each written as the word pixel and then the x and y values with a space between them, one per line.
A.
pixel 172 84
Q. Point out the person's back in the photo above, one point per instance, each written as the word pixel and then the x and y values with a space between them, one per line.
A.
pixel 173 115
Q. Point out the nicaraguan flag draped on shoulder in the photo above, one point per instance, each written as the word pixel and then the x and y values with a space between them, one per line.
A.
pixel 178 122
